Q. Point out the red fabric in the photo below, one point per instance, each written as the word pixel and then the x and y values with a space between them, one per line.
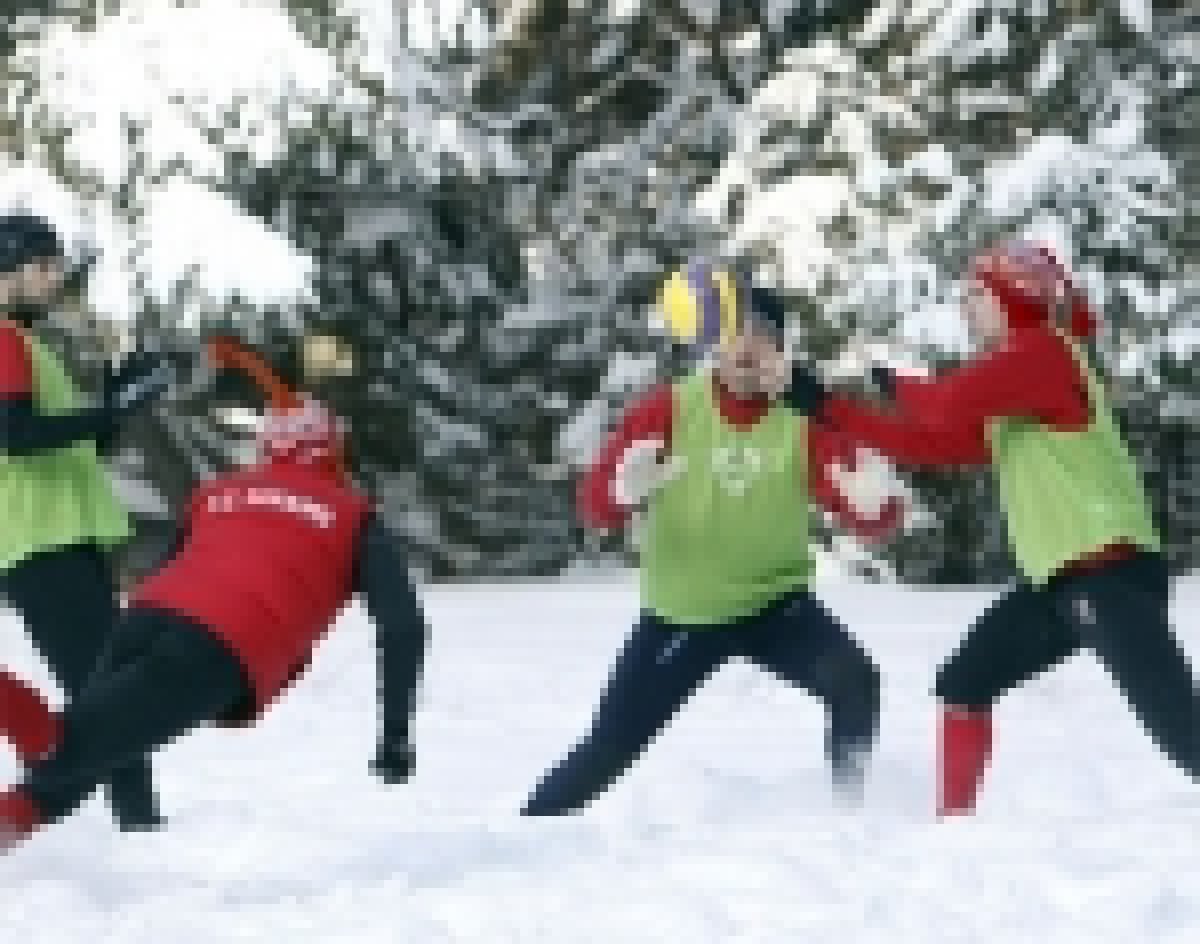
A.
pixel 647 419
pixel 16 366
pixel 19 818
pixel 1033 287
pixel 827 447
pixel 652 418
pixel 1098 560
pixel 26 719
pixel 944 421
pixel 308 432
pixel 964 751
pixel 267 564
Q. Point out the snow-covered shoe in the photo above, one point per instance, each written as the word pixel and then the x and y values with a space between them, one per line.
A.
pixel 963 754
pixel 848 770
pixel 19 819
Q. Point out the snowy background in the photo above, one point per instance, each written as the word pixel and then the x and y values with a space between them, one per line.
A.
pixel 482 198
pixel 726 831
pixel 484 214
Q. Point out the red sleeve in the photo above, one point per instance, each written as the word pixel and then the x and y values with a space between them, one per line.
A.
pixel 945 421
pixel 825 447
pixel 16 368
pixel 649 418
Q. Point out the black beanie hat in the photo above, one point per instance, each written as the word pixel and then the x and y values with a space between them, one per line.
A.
pixel 765 308
pixel 25 237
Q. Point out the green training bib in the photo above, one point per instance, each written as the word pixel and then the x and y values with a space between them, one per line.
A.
pixel 731 533
pixel 1069 493
pixel 58 497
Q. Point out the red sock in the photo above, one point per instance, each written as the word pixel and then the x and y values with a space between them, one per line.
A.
pixel 26 719
pixel 964 752
pixel 19 818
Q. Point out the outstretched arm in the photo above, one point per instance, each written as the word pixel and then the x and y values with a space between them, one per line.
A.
pixel 392 604
pixel 945 421
pixel 24 431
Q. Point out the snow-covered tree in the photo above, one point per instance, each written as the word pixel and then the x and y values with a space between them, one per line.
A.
pixel 871 171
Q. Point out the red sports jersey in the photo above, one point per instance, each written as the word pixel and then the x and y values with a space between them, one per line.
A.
pixel 267 563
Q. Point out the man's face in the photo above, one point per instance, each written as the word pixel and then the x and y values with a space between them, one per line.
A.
pixel 984 315
pixel 751 364
pixel 36 285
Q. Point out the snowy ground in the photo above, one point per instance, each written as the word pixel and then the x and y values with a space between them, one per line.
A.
pixel 726 832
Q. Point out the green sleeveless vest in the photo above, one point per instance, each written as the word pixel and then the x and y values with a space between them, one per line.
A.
pixel 1066 493
pixel 62 496
pixel 731 534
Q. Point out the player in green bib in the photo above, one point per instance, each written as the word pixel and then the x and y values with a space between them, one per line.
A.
pixel 58 512
pixel 725 472
pixel 1079 521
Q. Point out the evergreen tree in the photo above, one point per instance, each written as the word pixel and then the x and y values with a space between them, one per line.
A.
pixel 942 131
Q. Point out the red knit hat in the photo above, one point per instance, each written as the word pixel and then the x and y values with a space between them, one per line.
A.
pixel 1034 288
pixel 306 432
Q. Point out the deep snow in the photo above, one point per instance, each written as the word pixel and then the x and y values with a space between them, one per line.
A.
pixel 725 832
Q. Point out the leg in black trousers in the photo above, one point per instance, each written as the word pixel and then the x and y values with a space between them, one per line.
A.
pixel 1121 613
pixel 68 602
pixel 165 677
pixel 799 640
pixel 1018 637
pixel 657 671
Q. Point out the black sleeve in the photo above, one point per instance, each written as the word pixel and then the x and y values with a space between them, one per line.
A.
pixel 24 431
pixel 392 604
pixel 172 546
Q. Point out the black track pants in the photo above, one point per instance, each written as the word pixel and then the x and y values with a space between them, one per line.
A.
pixel 661 665
pixel 161 677
pixel 68 602
pixel 1121 614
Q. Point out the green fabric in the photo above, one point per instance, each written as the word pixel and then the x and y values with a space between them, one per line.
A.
pixel 1067 493
pixel 61 496
pixel 731 533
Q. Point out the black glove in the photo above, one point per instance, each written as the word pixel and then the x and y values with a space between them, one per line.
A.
pixel 805 392
pixel 884 380
pixel 394 762
pixel 141 379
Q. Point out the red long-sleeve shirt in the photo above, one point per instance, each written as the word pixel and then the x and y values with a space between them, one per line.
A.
pixel 944 421
pixel 652 418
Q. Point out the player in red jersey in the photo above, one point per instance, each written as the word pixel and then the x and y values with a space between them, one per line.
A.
pixel 266 559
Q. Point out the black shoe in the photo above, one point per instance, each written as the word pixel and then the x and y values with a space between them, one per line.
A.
pixel 146 823
pixel 134 802
pixel 394 763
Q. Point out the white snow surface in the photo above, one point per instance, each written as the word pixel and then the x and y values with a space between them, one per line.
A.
pixel 725 832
